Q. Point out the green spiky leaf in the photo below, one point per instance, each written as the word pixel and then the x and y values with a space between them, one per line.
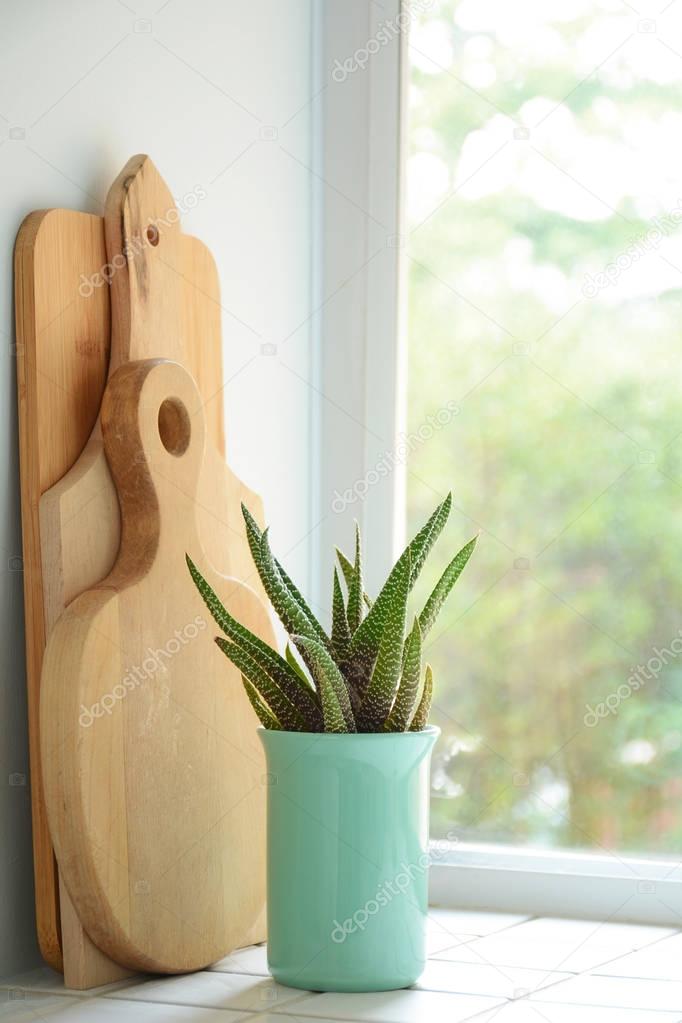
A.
pixel 270 693
pixel 356 589
pixel 291 660
pixel 300 599
pixel 383 683
pixel 273 575
pixel 290 614
pixel 421 716
pixel 423 542
pixel 442 588
pixel 265 716
pixel 294 684
pixel 365 642
pixel 348 570
pixel 408 690
pixel 330 683
pixel 340 628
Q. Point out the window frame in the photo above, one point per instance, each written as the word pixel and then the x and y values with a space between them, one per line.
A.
pixel 556 883
pixel 357 204
pixel 360 368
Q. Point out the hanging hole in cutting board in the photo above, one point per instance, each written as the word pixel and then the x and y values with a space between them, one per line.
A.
pixel 153 234
pixel 174 426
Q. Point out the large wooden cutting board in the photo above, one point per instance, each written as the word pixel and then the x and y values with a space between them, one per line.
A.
pixel 153 781
pixel 63 334
pixel 62 359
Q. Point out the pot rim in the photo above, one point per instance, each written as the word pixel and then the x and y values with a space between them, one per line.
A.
pixel 429 730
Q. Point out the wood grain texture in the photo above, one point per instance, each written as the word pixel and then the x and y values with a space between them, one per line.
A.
pixel 71 526
pixel 153 778
pixel 62 359
pixel 85 965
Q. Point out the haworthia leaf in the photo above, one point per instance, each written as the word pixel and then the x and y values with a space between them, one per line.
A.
pixel 340 629
pixel 294 685
pixel 432 530
pixel 347 569
pixel 265 716
pixel 254 535
pixel 291 660
pixel 406 697
pixel 329 680
pixel 421 716
pixel 334 720
pixel 365 642
pixel 383 683
pixel 293 618
pixel 356 589
pixel 268 690
pixel 300 600
pixel 442 588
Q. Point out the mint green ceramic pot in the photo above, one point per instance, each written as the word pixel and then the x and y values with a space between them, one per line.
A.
pixel 348 825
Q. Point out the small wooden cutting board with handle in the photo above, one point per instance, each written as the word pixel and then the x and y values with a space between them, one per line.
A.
pixel 153 780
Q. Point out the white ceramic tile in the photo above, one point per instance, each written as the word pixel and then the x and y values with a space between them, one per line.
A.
pixel 18 1006
pixel 567 945
pixel 271 1017
pixel 634 979
pixel 252 960
pixel 521 955
pixel 108 1010
pixel 630 936
pixel 546 1012
pixel 662 961
pixel 439 938
pixel 49 981
pixel 482 979
pixel 471 921
pixel 662 995
pixel 213 990
pixel 394 1007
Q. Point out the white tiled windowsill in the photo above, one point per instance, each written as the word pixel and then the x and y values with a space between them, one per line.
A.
pixel 483 967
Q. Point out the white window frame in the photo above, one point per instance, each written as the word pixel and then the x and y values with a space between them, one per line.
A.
pixel 357 166
pixel 359 371
pixel 556 882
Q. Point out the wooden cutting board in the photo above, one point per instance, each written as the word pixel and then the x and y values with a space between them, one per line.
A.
pixel 62 358
pixel 71 535
pixel 153 782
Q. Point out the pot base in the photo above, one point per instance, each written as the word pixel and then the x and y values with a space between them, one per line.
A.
pixel 342 985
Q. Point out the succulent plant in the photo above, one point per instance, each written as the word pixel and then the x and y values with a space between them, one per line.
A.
pixel 365 675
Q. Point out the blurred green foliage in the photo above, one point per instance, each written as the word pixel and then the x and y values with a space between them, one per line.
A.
pixel 567 448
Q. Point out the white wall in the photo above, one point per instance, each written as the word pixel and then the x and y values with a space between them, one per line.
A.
pixel 199 85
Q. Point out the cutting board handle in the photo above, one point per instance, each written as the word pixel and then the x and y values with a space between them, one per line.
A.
pixel 154 439
pixel 145 266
